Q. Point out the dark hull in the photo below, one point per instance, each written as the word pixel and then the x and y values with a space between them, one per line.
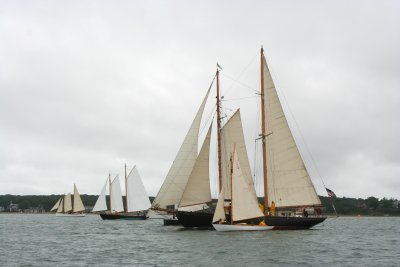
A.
pixel 292 223
pixel 195 219
pixel 122 216
pixel 204 220
pixel 171 222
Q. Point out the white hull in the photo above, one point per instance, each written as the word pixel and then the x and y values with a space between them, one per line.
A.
pixel 70 215
pixel 240 227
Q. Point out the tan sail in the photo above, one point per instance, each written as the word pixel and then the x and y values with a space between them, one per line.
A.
pixel 232 136
pixel 198 189
pixel 67 203
pixel 244 198
pixel 175 182
pixel 78 205
pixel 288 182
pixel 61 206
pixel 55 207
pixel 219 214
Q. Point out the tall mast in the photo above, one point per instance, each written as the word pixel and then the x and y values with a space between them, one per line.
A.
pixel 263 134
pixel 126 191
pixel 109 183
pixel 231 211
pixel 219 132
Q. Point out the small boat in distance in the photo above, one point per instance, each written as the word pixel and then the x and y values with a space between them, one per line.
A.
pixel 243 209
pixel 137 201
pixel 66 208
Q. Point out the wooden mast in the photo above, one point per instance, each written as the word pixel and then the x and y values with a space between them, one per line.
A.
pixel 231 211
pixel 109 183
pixel 126 191
pixel 263 134
pixel 219 132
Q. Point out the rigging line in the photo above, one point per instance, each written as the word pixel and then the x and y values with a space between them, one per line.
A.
pixel 241 73
pixel 239 82
pixel 210 117
pixel 234 99
pixel 298 128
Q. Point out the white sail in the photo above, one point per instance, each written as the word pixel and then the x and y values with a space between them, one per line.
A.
pixel 219 213
pixel 67 203
pixel 244 200
pixel 232 136
pixel 289 183
pixel 116 196
pixel 137 196
pixel 78 204
pixel 101 203
pixel 56 205
pixel 61 206
pixel 174 184
pixel 198 189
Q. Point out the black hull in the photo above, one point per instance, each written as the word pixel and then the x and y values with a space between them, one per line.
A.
pixel 171 222
pixel 204 220
pixel 292 223
pixel 191 219
pixel 122 216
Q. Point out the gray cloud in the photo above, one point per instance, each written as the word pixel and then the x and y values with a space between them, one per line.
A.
pixel 86 87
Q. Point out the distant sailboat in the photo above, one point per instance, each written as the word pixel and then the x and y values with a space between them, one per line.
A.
pixel 65 208
pixel 243 205
pixel 137 201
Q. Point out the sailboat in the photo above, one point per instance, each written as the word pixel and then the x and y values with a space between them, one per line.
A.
pixel 137 201
pixel 288 189
pixel 243 205
pixel 65 208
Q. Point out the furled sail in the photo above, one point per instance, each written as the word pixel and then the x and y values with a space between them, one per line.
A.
pixel 232 136
pixel 219 213
pixel 56 205
pixel 116 196
pixel 67 203
pixel 198 187
pixel 78 205
pixel 289 183
pixel 101 203
pixel 174 184
pixel 137 196
pixel 244 198
pixel 61 206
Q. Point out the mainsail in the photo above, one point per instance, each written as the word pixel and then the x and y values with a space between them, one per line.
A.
pixel 116 196
pixel 232 136
pixel 289 184
pixel 78 205
pixel 175 182
pixel 101 203
pixel 198 190
pixel 137 198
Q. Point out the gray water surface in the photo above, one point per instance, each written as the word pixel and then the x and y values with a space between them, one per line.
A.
pixel 47 240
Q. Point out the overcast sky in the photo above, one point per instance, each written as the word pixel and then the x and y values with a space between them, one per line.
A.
pixel 86 86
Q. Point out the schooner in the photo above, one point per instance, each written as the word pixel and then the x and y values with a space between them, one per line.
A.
pixel 64 207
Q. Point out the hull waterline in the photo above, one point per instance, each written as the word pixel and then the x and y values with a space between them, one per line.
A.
pixel 240 227
pixel 191 219
pixel 67 215
pixel 292 223
pixel 122 216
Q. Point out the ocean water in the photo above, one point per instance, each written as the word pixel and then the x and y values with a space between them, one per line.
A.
pixel 47 240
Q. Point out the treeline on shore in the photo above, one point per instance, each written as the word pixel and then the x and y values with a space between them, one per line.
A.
pixel 345 206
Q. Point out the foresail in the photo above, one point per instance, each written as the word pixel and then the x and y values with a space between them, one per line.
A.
pixel 198 189
pixel 78 205
pixel 219 213
pixel 101 203
pixel 175 182
pixel 56 205
pixel 244 199
pixel 67 203
pixel 137 196
pixel 232 136
pixel 61 206
pixel 289 183
pixel 116 196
